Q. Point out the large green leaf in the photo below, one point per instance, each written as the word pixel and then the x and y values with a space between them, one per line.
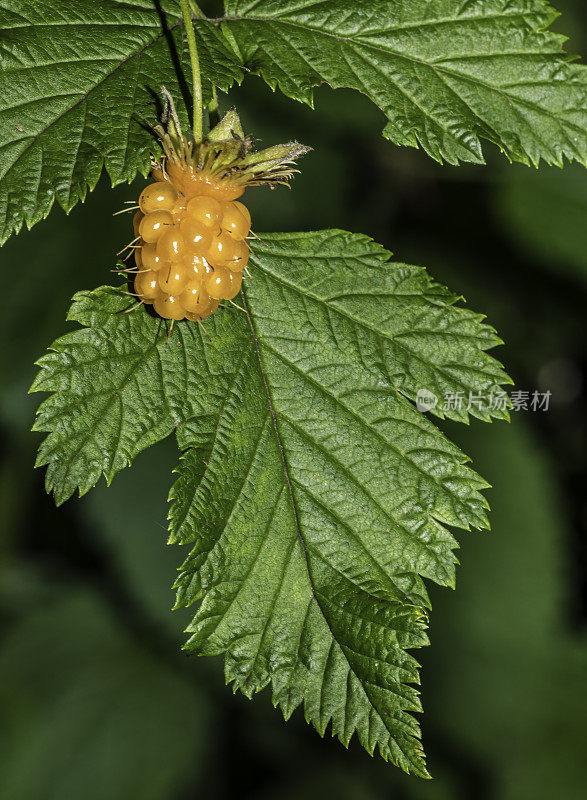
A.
pixel 78 79
pixel 446 73
pixel 317 495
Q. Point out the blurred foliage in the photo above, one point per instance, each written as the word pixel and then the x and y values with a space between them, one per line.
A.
pixel 89 643
pixel 544 213
pixel 89 712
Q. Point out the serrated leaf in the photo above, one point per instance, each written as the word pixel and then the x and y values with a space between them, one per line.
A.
pixel 78 79
pixel 317 496
pixel 446 73
pixel 118 385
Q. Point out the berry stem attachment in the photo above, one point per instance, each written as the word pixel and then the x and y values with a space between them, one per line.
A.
pixel 196 74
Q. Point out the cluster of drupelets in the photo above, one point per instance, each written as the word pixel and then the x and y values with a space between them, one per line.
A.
pixel 190 252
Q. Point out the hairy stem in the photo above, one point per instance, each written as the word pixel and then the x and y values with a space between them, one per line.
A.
pixel 196 75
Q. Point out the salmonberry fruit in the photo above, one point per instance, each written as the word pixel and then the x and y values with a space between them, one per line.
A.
pixel 234 221
pixel 203 314
pixel 136 221
pixel 206 210
pixel 198 267
pixel 171 246
pixel 219 284
pixel 168 306
pixel 221 251
pixel 191 251
pixel 195 298
pixel 198 236
pixel 157 197
pixel 190 228
pixel 148 255
pixel 154 224
pixel 147 285
pixel 241 257
pixel 173 279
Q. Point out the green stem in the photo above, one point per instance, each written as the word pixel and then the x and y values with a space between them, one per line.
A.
pixel 196 75
pixel 213 110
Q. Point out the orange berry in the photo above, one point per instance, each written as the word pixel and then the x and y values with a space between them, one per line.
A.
pixel 194 297
pixel 136 221
pixel 205 210
pixel 244 211
pixel 197 266
pixel 173 278
pixel 201 183
pixel 138 257
pixel 203 314
pixel 160 196
pixel 211 308
pixel 219 283
pixel 147 285
pixel 221 250
pixel 225 192
pixel 168 307
pixel 154 224
pixel 149 257
pixel 178 211
pixel 197 236
pixel 171 245
pixel 234 221
pixel 241 257
pixel 236 279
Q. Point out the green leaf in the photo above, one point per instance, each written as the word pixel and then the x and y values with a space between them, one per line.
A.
pixel 445 73
pixel 317 496
pixel 119 386
pixel 78 80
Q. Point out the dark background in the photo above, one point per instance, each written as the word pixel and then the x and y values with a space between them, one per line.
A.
pixel 96 698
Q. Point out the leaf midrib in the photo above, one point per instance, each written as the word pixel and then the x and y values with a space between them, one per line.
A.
pixel 418 766
pixel 400 28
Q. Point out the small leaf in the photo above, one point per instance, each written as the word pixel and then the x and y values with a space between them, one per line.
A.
pixel 445 73
pixel 78 80
pixel 317 496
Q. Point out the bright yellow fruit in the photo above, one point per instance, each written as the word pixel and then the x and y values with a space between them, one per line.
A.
pixel 192 248
pixel 159 196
